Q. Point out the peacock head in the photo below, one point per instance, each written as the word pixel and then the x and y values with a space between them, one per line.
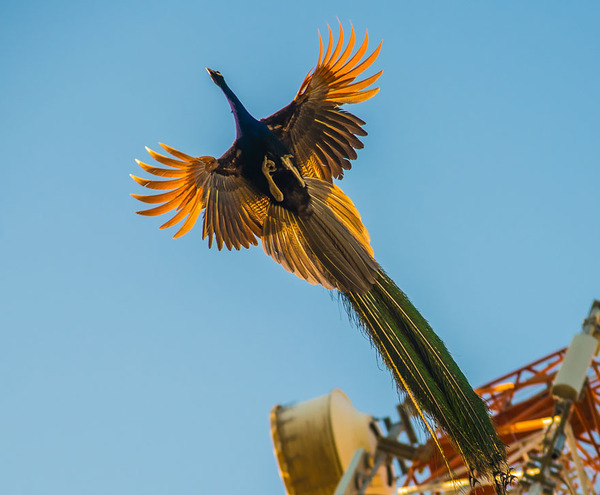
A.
pixel 217 77
pixel 241 114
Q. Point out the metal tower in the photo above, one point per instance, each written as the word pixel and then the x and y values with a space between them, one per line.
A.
pixel 547 413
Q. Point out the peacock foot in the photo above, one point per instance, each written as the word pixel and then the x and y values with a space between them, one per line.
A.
pixel 286 160
pixel 268 168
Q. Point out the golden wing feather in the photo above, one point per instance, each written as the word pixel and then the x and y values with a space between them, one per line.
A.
pixel 234 210
pixel 321 135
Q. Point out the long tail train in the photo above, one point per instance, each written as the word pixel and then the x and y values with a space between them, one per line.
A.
pixel 426 371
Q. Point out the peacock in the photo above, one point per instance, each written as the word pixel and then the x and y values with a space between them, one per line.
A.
pixel 275 183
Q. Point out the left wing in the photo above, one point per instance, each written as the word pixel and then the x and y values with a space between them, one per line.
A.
pixel 233 209
pixel 321 135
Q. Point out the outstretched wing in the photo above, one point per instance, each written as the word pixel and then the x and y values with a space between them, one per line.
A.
pixel 236 214
pixel 233 209
pixel 323 137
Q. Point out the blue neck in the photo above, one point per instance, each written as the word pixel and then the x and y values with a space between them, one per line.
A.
pixel 243 119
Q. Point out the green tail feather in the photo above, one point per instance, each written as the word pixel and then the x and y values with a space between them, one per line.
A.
pixel 421 363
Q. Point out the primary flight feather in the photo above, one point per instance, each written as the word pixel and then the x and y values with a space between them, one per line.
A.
pixel 275 183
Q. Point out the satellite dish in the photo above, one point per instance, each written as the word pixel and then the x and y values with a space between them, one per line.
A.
pixel 315 441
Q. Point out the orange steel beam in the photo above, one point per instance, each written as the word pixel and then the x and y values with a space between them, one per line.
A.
pixel 533 412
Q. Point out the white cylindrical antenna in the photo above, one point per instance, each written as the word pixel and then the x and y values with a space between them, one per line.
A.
pixel 570 378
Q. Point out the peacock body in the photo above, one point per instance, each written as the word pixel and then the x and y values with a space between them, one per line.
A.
pixel 275 183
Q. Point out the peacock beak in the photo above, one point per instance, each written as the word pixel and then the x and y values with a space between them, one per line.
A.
pixel 213 74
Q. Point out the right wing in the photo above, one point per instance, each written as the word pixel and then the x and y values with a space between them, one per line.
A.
pixel 233 209
pixel 321 135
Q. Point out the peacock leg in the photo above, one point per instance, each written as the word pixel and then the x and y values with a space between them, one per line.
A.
pixel 268 167
pixel 286 160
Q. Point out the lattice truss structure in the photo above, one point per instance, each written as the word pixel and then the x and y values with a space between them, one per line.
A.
pixel 525 414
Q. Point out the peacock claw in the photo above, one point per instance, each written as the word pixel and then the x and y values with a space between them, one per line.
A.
pixel 286 160
pixel 268 168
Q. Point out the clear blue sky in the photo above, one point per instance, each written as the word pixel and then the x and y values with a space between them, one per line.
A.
pixel 134 363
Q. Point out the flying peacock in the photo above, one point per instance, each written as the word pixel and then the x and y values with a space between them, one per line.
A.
pixel 276 183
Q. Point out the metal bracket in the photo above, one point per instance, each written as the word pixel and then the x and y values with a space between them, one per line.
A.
pixel 591 325
pixel 354 477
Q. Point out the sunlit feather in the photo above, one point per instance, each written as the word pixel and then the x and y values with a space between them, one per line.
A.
pixel 330 84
